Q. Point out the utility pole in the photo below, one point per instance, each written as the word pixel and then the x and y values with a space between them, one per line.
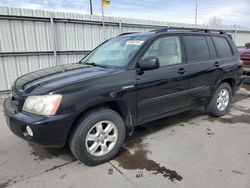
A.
pixel 196 9
pixel 103 24
pixel 90 4
pixel 102 14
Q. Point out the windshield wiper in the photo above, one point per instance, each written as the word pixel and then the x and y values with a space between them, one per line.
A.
pixel 96 65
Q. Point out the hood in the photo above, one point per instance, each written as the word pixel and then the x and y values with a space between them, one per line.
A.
pixel 46 80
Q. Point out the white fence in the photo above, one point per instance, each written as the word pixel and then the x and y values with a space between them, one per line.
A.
pixel 36 39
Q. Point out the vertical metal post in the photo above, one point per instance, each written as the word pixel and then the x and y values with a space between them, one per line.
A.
pixel 91 9
pixel 103 24
pixel 235 35
pixel 120 25
pixel 53 37
pixel 196 9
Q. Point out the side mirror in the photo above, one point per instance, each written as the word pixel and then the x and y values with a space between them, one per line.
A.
pixel 149 63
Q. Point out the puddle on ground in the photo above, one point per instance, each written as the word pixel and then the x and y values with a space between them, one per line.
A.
pixel 138 161
pixel 40 153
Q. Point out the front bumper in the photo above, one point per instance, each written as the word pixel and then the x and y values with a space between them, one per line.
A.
pixel 48 130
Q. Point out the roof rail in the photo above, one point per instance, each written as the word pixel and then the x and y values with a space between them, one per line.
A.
pixel 165 29
pixel 126 33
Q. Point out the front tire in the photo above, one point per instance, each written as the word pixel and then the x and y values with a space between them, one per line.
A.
pixel 221 100
pixel 98 136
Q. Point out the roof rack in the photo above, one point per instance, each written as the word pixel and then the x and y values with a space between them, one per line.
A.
pixel 165 29
pixel 126 33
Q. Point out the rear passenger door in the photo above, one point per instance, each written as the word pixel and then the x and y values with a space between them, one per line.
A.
pixel 202 61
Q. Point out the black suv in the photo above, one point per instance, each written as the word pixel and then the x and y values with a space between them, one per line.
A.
pixel 128 80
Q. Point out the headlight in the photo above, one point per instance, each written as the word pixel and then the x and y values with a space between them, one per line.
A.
pixel 43 104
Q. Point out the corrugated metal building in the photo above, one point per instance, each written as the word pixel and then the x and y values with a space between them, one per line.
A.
pixel 34 39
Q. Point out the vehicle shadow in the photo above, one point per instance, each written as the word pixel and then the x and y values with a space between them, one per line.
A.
pixel 41 153
pixel 164 123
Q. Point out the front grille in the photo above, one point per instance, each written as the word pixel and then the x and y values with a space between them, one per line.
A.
pixel 17 100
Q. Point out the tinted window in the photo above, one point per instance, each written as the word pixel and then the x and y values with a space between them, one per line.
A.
pixel 222 46
pixel 211 48
pixel 166 49
pixel 196 48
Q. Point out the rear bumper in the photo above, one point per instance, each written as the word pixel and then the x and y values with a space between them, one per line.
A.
pixel 48 130
pixel 246 79
pixel 246 68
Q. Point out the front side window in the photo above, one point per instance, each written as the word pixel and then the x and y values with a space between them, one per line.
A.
pixel 166 49
pixel 116 52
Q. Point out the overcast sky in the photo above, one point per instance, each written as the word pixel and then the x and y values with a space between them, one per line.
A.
pixel 231 12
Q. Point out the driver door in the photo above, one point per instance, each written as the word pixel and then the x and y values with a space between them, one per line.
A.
pixel 162 90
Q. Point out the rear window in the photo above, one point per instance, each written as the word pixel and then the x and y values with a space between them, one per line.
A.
pixel 196 48
pixel 222 46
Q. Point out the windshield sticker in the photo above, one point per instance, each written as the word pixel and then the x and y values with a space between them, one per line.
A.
pixel 135 42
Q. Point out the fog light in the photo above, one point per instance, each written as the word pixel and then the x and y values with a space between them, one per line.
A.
pixel 29 131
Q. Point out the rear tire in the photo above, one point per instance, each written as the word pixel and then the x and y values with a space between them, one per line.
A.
pixel 220 101
pixel 98 136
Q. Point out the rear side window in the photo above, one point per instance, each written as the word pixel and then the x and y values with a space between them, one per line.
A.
pixel 222 46
pixel 196 48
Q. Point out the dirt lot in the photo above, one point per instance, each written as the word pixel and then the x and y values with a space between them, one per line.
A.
pixel 186 150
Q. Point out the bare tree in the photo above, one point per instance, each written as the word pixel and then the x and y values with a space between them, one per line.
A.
pixel 215 21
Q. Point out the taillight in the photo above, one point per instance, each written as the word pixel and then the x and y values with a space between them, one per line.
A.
pixel 241 63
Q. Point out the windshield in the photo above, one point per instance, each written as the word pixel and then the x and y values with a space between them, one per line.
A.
pixel 115 52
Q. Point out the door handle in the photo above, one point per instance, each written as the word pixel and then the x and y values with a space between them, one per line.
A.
pixel 216 64
pixel 182 71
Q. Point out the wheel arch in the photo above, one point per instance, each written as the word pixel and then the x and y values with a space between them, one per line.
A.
pixel 118 106
pixel 230 81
